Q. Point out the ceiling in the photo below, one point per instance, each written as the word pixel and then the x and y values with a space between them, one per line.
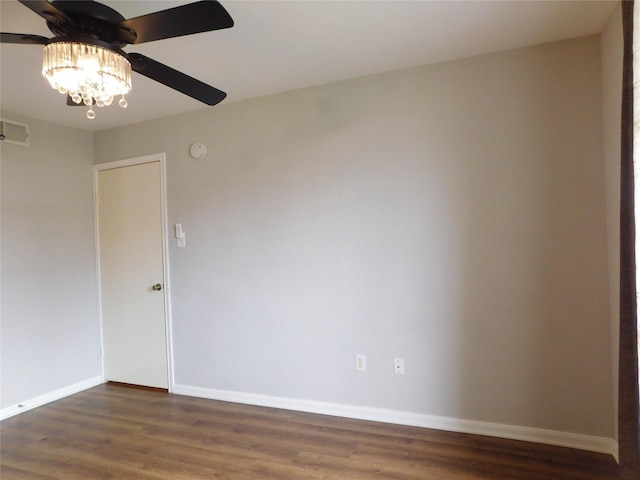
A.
pixel 276 46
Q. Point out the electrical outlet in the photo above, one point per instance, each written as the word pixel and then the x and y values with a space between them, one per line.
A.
pixel 361 362
pixel 398 366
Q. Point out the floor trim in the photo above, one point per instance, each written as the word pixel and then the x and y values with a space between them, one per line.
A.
pixel 528 434
pixel 512 432
pixel 49 397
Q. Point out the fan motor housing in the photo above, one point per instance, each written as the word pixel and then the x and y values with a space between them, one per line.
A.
pixel 91 19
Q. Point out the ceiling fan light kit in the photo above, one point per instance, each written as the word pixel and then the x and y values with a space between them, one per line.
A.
pixel 85 62
pixel 90 74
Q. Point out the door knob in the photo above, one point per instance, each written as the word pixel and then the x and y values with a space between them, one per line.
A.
pixel 157 287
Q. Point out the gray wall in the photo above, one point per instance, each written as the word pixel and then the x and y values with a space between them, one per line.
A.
pixel 452 214
pixel 49 323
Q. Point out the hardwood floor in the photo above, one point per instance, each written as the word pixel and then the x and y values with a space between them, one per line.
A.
pixel 115 432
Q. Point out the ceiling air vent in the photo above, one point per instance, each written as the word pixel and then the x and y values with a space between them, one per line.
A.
pixel 14 132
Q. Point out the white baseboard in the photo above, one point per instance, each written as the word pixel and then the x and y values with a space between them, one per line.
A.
pixel 527 434
pixel 49 397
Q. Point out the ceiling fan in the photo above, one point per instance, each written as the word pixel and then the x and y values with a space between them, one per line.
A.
pixel 85 61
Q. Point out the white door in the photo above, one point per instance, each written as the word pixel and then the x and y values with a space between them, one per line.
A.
pixel 130 242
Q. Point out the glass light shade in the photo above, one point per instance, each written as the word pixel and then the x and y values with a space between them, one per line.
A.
pixel 89 73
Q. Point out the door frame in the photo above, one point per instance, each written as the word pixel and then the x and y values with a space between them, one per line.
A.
pixel 129 162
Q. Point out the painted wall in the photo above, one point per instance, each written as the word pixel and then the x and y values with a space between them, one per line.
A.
pixel 49 323
pixel 612 47
pixel 452 215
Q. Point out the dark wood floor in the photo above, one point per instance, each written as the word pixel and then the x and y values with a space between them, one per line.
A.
pixel 115 432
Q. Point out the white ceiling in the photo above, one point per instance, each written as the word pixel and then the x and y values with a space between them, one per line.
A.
pixel 277 46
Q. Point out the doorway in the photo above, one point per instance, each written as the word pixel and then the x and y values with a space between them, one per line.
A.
pixel 131 237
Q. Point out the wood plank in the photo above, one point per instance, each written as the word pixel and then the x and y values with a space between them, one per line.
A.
pixel 115 432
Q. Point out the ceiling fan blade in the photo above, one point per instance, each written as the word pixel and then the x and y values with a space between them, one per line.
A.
pixel 47 11
pixel 174 79
pixel 23 38
pixel 198 17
